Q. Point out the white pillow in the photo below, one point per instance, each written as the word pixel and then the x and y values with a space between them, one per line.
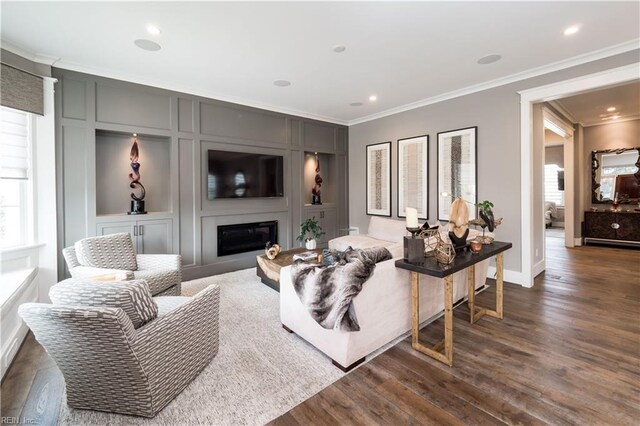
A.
pixel 387 229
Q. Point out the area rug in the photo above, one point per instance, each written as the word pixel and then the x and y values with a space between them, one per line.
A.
pixel 260 371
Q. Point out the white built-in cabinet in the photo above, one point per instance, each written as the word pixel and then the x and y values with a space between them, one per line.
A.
pixel 150 236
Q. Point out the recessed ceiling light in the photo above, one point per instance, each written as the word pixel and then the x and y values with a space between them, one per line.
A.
pixel 282 83
pixel 571 30
pixel 611 109
pixel 339 48
pixel 615 117
pixel 356 104
pixel 373 98
pixel 153 30
pixel 149 45
pixel 489 59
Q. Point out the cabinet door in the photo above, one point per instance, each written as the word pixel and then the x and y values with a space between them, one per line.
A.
pixel 629 226
pixel 319 137
pixel 598 225
pixel 329 223
pixel 155 236
pixel 117 227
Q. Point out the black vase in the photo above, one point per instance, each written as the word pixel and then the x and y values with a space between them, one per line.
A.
pixel 487 216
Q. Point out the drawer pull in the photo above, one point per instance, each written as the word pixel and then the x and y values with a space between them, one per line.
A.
pixel 615 225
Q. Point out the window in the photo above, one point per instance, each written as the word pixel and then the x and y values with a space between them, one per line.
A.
pixel 551 184
pixel 16 225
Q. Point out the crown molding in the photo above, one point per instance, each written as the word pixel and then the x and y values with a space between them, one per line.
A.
pixel 619 120
pixel 534 72
pixel 562 110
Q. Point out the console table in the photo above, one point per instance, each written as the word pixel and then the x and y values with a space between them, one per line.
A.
pixel 463 260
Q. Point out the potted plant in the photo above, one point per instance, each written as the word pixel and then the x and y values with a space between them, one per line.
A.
pixel 485 212
pixel 310 231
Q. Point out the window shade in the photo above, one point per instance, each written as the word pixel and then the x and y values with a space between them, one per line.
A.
pixel 21 90
pixel 14 144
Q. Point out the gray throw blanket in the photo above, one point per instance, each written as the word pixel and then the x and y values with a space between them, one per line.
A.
pixel 327 291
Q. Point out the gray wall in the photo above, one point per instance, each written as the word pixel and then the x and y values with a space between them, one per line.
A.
pixel 625 134
pixel 95 120
pixel 554 155
pixel 496 112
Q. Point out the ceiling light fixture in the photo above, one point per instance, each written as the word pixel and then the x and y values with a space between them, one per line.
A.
pixel 373 98
pixel 339 48
pixel 615 117
pixel 611 109
pixel 149 45
pixel 153 30
pixel 571 30
pixel 282 83
pixel 356 104
pixel 489 59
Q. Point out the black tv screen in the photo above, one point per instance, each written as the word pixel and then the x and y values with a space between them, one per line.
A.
pixel 244 175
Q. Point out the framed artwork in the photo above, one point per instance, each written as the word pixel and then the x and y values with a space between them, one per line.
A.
pixel 379 179
pixel 413 175
pixel 457 170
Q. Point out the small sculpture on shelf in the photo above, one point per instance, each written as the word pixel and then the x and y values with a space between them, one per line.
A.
pixel 315 191
pixel 459 224
pixel 137 202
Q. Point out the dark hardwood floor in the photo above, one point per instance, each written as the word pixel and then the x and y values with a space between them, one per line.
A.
pixel 567 352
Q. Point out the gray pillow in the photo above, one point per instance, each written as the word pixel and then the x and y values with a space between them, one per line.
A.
pixel 113 251
pixel 133 297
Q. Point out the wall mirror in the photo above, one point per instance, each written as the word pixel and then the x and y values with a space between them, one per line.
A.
pixel 615 172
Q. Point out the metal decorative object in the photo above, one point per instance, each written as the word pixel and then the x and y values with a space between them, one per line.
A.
pixel 431 238
pixel 315 191
pixel 481 223
pixel 445 252
pixel 137 202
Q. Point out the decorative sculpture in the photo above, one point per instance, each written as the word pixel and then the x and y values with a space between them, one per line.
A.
pixel 137 202
pixel 486 220
pixel 315 191
pixel 272 250
pixel 445 252
pixel 459 223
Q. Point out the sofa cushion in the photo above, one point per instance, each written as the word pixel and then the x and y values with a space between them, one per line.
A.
pixel 114 251
pixel 386 229
pixel 133 297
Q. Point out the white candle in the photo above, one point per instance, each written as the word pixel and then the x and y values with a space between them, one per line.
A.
pixel 412 217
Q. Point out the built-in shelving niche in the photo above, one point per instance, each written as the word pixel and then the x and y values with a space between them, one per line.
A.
pixel 113 167
pixel 328 172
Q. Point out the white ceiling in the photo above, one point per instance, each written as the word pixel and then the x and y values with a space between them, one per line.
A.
pixel 403 52
pixel 590 109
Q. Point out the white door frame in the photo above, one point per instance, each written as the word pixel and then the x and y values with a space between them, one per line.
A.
pixel 546 93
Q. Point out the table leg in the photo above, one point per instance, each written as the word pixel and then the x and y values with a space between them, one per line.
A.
pixel 447 342
pixel 478 312
pixel 415 307
pixel 499 284
pixel 471 290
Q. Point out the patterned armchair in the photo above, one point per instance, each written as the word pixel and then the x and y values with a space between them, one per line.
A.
pixel 110 365
pixel 114 253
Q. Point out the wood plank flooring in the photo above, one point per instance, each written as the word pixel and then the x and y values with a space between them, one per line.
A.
pixel 567 352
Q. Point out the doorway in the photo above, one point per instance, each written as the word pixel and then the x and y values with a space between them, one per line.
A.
pixel 532 163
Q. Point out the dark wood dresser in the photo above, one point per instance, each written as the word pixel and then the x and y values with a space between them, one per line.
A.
pixel 621 228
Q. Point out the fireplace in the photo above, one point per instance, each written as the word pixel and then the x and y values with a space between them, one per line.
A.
pixel 246 237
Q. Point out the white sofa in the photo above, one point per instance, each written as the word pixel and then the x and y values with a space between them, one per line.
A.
pixel 383 307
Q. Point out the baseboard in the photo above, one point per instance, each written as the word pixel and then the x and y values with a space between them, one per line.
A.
pixel 514 277
pixel 577 242
pixel 538 268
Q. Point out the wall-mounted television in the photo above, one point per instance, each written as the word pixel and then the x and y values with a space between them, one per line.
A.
pixel 244 175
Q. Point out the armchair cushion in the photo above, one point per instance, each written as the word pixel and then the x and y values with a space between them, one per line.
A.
pixel 133 297
pixel 114 251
